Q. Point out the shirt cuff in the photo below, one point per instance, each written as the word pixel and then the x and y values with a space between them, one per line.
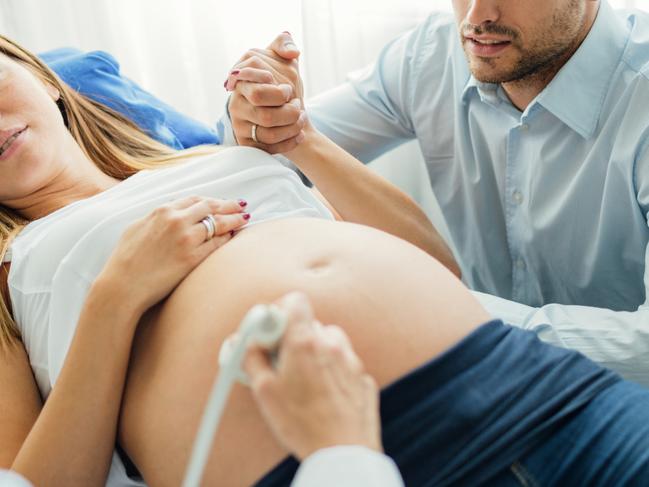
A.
pixel 224 127
pixel 12 479
pixel 512 313
pixel 348 466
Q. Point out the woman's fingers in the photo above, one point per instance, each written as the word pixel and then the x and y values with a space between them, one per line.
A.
pixel 265 95
pixel 223 225
pixel 182 203
pixel 254 61
pixel 283 71
pixel 187 215
pixel 212 206
pixel 253 75
pixel 225 228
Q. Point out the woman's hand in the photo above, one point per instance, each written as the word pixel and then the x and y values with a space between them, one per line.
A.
pixel 267 92
pixel 160 250
pixel 262 108
pixel 73 438
pixel 319 395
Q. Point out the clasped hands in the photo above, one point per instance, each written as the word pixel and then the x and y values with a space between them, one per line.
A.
pixel 267 100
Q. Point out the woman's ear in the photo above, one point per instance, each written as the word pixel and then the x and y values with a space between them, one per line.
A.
pixel 54 93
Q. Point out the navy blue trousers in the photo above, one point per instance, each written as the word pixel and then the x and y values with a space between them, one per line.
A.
pixel 503 408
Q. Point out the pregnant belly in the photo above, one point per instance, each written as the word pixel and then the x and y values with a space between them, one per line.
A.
pixel 399 306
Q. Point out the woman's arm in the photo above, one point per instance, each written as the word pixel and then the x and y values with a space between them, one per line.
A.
pixel 71 442
pixel 360 195
pixel 357 193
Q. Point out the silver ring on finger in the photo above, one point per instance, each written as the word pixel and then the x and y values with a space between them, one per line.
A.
pixel 210 226
pixel 253 133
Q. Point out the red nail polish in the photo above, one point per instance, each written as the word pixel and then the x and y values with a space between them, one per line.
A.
pixel 286 32
pixel 231 233
pixel 246 216
pixel 235 72
pixel 243 203
pixel 225 84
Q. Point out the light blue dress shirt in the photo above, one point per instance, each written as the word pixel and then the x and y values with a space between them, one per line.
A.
pixel 547 207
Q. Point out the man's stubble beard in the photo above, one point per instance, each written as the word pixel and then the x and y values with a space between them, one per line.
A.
pixel 543 60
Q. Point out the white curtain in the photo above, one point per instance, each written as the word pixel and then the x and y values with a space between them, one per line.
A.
pixel 181 50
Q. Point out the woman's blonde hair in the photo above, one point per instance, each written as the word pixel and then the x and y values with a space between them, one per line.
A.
pixel 115 144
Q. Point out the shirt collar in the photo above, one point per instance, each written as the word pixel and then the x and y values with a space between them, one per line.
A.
pixel 576 94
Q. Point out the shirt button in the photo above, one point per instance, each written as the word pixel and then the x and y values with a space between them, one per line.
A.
pixel 520 264
pixel 518 197
pixel 525 127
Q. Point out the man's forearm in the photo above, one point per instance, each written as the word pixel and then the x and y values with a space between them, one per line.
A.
pixel 614 339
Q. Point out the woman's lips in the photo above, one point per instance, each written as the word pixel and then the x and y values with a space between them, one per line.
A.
pixel 12 144
pixel 486 48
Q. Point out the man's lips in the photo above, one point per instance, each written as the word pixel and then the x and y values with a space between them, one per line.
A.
pixel 486 46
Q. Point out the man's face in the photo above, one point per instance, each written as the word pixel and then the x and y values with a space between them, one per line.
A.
pixel 513 40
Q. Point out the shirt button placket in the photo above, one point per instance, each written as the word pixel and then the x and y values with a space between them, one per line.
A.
pixel 514 201
pixel 517 196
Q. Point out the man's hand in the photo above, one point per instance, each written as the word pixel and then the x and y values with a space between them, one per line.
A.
pixel 267 92
pixel 319 396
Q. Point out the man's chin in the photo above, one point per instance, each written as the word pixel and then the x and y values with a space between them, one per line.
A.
pixel 493 70
pixel 492 75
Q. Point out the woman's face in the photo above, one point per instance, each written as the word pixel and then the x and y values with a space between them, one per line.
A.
pixel 32 132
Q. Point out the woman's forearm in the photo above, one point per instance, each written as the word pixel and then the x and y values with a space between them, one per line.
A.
pixel 72 441
pixel 360 195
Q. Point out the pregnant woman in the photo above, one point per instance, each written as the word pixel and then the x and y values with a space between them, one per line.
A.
pixel 116 245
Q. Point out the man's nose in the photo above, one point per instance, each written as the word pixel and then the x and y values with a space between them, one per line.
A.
pixel 483 12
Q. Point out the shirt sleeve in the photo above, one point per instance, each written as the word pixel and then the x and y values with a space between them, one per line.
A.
pixel 372 113
pixel 224 127
pixel 348 466
pixel 616 340
pixel 12 479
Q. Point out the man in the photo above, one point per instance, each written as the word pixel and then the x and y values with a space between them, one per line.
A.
pixel 533 121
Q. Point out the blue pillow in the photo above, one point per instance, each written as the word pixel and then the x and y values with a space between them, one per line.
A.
pixel 96 75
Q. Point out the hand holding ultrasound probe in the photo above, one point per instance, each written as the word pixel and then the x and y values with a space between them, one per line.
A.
pixel 311 388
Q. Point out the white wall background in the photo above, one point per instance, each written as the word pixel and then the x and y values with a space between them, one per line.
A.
pixel 181 50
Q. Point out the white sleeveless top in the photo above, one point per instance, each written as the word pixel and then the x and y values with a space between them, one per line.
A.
pixel 55 259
